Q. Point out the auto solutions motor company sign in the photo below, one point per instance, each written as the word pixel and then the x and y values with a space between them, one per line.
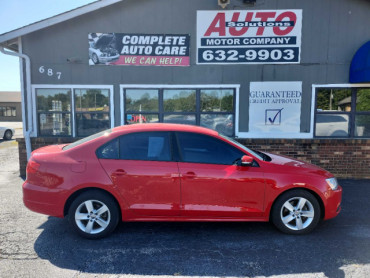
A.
pixel 249 37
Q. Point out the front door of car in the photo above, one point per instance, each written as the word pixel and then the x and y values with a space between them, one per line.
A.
pixel 212 185
pixel 143 172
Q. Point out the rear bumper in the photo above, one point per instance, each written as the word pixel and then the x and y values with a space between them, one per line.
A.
pixel 43 200
pixel 333 205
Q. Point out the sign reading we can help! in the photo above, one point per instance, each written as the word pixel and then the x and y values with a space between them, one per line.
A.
pixel 139 49
pixel 275 107
pixel 249 37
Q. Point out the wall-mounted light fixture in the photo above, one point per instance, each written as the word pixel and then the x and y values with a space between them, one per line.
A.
pixel 223 3
pixel 74 60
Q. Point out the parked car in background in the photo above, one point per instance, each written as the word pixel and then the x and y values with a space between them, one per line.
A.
pixel 6 133
pixel 174 172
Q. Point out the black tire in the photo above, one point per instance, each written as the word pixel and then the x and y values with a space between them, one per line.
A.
pixel 95 58
pixel 90 223
pixel 8 135
pixel 298 219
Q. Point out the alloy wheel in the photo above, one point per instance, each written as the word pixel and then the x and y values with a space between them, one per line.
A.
pixel 297 213
pixel 92 216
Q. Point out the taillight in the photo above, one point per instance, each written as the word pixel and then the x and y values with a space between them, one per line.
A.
pixel 32 167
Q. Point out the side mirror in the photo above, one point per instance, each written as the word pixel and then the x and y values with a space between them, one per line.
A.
pixel 246 160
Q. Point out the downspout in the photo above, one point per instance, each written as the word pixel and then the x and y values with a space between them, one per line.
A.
pixel 26 130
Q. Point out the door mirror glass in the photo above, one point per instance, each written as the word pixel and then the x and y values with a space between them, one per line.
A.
pixel 246 160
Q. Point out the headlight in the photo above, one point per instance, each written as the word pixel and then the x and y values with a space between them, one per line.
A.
pixel 333 183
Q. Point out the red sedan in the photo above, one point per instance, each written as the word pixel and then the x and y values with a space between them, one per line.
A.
pixel 168 172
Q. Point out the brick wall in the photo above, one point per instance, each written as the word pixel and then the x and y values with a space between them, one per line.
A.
pixel 345 158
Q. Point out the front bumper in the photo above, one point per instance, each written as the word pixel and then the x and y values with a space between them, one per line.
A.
pixel 43 200
pixel 333 203
pixel 108 59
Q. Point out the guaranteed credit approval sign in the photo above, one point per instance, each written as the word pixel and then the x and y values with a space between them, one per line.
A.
pixel 275 108
pixel 249 37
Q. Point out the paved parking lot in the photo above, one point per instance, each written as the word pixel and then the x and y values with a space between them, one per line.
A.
pixel 34 245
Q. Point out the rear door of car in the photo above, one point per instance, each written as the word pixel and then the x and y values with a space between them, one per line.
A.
pixel 144 172
pixel 212 185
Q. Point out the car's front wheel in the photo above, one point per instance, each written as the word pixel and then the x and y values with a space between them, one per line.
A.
pixel 93 214
pixel 95 58
pixel 296 212
pixel 8 135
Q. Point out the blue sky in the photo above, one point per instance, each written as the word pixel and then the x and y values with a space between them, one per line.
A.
pixel 18 13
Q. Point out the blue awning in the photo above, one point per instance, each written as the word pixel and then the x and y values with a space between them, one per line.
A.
pixel 360 65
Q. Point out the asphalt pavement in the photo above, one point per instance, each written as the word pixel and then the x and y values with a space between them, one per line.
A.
pixel 35 245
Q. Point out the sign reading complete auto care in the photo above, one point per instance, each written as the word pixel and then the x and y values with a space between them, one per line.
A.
pixel 139 49
pixel 249 37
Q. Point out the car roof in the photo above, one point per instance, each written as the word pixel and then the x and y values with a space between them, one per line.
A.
pixel 164 127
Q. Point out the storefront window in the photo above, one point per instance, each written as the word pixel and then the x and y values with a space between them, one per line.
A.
pixel 363 100
pixel 72 111
pixel 217 100
pixel 54 112
pixel 180 119
pixel 342 112
pixel 92 111
pixel 54 124
pixel 141 118
pixel 212 108
pixel 142 100
pixel 179 100
pixel 223 123
pixel 216 107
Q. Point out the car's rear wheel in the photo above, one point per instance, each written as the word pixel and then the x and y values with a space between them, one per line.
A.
pixel 93 214
pixel 296 212
pixel 8 135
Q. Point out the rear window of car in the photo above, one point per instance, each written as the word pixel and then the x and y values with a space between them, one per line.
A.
pixel 87 139
pixel 152 146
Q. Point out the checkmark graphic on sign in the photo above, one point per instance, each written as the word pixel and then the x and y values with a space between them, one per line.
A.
pixel 273 116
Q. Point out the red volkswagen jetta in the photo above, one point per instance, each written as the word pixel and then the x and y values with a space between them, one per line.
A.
pixel 168 172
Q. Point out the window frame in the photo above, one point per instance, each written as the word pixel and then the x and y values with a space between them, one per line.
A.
pixel 351 114
pixel 35 119
pixel 161 113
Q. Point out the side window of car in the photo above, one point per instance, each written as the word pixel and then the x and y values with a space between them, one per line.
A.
pixel 108 150
pixel 199 148
pixel 154 146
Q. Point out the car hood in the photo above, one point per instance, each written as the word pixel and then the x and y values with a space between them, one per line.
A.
pixel 104 41
pixel 299 166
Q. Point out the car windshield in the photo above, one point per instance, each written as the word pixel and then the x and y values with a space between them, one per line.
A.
pixel 242 146
pixel 86 139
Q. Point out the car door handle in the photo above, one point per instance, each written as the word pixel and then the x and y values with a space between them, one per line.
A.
pixel 189 175
pixel 119 172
